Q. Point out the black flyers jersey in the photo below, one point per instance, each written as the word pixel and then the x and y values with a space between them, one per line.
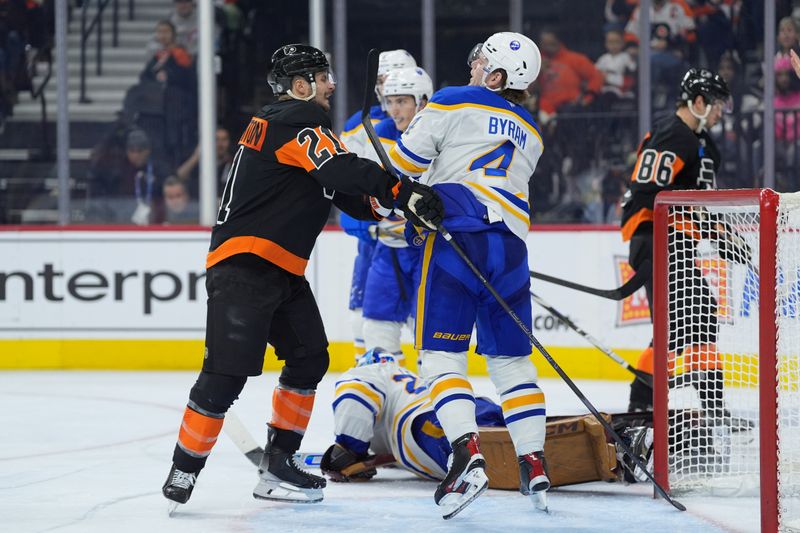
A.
pixel 288 170
pixel 672 158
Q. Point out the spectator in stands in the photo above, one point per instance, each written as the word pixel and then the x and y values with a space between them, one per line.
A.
pixel 173 70
pixel 787 99
pixel 787 125
pixel 672 30
pixel 618 68
pixel 129 190
pixel 184 20
pixel 619 11
pixel 179 208
pixel 188 171
pixel 568 79
pixel 715 35
pixel 788 34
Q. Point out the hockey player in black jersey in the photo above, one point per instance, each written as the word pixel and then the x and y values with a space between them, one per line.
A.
pixel 678 154
pixel 288 170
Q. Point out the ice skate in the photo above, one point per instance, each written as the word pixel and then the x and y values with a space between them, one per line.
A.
pixel 533 478
pixel 466 478
pixel 280 478
pixel 178 487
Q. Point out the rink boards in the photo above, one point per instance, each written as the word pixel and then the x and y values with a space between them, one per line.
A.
pixel 120 298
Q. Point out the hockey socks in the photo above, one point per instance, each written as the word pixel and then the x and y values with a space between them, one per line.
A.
pixel 454 403
pixel 291 410
pixel 197 436
pixel 524 412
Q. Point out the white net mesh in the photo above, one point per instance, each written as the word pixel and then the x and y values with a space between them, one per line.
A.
pixel 713 352
pixel 713 349
pixel 788 357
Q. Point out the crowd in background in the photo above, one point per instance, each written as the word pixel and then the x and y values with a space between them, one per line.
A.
pixel 586 100
pixel 25 33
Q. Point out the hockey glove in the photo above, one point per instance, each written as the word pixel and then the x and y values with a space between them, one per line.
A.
pixel 357 228
pixel 340 464
pixel 420 203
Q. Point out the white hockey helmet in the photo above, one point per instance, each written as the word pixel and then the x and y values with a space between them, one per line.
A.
pixel 412 81
pixel 394 59
pixel 376 356
pixel 513 52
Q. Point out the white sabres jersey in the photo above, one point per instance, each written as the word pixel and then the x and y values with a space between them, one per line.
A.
pixel 474 137
pixel 377 404
pixel 353 135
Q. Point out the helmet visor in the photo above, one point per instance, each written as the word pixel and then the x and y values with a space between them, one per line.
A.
pixel 474 54
pixel 724 103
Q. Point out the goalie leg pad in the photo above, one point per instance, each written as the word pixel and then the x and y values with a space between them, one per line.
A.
pixel 450 392
pixel 576 451
pixel 521 399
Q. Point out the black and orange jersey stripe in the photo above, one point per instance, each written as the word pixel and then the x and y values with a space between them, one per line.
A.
pixel 673 157
pixel 288 170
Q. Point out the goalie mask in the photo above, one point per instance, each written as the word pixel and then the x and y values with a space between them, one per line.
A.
pixel 376 356
pixel 293 60
pixel 513 52
pixel 408 81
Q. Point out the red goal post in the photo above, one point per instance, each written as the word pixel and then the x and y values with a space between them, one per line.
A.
pixel 705 448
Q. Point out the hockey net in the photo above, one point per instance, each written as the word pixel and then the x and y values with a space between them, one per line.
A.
pixel 727 346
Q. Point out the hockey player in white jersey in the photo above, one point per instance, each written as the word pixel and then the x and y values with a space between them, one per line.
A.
pixel 382 408
pixel 384 413
pixel 393 277
pixel 478 147
pixel 355 138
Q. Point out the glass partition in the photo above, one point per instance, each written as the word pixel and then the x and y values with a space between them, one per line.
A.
pixel 134 103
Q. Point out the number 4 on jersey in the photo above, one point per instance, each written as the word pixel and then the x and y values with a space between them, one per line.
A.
pixel 503 152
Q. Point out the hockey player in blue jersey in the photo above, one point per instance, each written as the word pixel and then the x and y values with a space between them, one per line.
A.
pixel 355 138
pixel 393 277
pixel 478 147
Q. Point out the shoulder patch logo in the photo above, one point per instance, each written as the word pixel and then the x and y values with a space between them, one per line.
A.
pixel 253 136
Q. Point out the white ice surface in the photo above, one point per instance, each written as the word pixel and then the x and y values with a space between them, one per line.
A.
pixel 89 451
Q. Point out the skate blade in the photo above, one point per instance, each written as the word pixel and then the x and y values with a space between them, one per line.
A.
pixel 539 500
pixel 284 492
pixel 453 503
pixel 171 507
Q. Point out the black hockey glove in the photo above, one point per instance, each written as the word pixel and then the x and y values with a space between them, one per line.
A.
pixel 420 203
pixel 340 464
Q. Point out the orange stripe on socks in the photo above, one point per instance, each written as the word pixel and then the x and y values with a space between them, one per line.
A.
pixel 198 433
pixel 291 410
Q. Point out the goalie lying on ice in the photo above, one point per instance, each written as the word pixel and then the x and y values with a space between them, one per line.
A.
pixel 383 409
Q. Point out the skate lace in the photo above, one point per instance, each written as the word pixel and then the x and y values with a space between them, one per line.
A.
pixel 182 479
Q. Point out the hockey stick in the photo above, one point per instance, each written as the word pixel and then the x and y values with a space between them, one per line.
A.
pixel 372 71
pixel 644 377
pixel 243 440
pixel 632 285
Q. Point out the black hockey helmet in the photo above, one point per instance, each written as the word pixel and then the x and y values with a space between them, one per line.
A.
pixel 295 60
pixel 702 82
